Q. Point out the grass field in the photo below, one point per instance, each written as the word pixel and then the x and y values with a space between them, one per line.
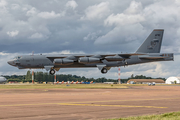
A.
pixel 71 86
pixel 61 86
pixel 165 116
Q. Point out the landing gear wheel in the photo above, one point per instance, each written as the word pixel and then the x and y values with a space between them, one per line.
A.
pixel 52 72
pixel 104 70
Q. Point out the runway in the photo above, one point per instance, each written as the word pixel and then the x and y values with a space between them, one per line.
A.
pixel 73 104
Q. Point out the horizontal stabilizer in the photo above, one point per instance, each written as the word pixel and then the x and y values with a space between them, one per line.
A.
pixel 160 56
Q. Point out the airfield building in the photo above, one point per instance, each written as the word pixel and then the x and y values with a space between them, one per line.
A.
pixel 145 81
pixel 173 80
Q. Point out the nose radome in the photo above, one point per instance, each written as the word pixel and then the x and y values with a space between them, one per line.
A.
pixel 11 62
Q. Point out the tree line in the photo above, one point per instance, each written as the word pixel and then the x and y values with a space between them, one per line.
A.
pixel 46 77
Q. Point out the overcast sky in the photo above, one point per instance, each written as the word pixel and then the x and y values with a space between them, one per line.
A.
pixel 93 26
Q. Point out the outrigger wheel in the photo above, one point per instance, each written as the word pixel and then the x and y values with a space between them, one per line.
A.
pixel 104 70
pixel 52 72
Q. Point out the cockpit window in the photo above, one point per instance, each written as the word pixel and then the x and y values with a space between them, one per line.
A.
pixel 18 57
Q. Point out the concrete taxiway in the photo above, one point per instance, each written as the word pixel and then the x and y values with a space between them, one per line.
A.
pixel 83 104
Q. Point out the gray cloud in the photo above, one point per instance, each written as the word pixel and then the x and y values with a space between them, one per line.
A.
pixel 96 26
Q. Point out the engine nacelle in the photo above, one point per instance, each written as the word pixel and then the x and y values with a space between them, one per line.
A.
pixel 114 58
pixel 88 60
pixel 63 61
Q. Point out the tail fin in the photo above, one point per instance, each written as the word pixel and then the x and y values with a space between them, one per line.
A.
pixel 153 43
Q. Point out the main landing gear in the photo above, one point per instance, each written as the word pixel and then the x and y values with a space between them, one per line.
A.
pixel 52 72
pixel 104 70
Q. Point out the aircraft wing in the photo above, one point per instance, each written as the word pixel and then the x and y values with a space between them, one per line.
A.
pixel 130 54
pixel 120 57
pixel 61 56
pixel 67 55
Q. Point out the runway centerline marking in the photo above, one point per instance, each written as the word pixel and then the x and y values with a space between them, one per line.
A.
pixel 80 103
pixel 110 105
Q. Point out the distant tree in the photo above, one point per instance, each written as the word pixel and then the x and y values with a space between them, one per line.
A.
pixel 46 77
pixel 28 75
pixel 132 76
pixel 39 76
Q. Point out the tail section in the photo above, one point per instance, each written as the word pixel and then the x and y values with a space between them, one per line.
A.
pixel 153 43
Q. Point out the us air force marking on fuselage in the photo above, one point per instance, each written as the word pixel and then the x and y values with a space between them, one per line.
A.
pixel 149 51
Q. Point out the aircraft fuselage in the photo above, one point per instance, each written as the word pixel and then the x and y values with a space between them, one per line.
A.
pixel 149 51
pixel 40 61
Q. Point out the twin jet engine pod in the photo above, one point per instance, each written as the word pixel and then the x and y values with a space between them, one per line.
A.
pixel 114 58
pixel 88 60
pixel 63 61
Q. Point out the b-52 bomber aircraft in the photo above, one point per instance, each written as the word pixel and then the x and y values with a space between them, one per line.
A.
pixel 149 51
pixel 2 79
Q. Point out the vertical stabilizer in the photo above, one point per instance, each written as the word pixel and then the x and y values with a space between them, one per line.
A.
pixel 153 43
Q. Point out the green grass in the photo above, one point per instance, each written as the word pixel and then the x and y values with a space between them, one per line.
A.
pixel 71 86
pixel 62 86
pixel 165 116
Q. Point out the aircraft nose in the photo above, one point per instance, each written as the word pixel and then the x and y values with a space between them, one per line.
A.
pixel 11 62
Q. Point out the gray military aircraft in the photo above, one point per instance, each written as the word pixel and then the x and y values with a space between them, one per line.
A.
pixel 149 51
pixel 2 79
